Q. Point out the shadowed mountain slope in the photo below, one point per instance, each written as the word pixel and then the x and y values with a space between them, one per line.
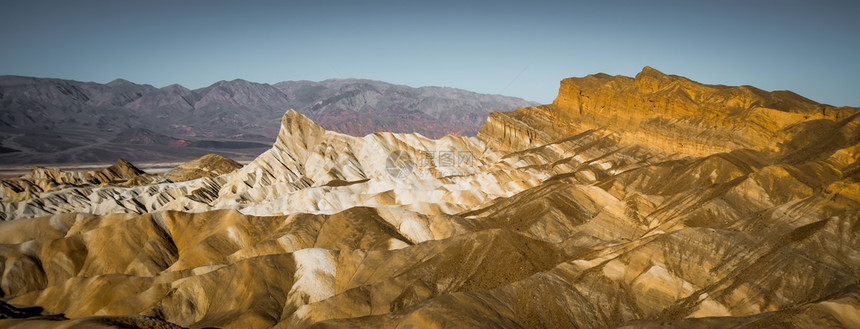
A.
pixel 48 121
pixel 549 218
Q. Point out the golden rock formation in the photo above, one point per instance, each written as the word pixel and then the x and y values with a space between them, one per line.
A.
pixel 41 179
pixel 666 113
pixel 647 202
pixel 210 165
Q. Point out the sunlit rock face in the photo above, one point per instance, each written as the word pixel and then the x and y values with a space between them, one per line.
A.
pixel 644 202
pixel 666 113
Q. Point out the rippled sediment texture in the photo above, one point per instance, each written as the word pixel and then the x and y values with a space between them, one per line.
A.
pixel 651 201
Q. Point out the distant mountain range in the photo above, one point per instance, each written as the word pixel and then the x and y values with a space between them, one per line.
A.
pixel 639 202
pixel 53 121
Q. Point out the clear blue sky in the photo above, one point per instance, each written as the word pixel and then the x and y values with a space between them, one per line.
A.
pixel 518 48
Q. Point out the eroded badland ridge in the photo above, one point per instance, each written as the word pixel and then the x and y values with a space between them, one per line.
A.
pixel 652 201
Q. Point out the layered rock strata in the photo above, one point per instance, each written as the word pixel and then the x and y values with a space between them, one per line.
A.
pixel 560 218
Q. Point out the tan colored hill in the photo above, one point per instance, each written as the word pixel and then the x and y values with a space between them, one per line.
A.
pixel 558 218
pixel 209 165
pixel 666 113
pixel 40 180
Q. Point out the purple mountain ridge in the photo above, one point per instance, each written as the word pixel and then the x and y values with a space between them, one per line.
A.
pixel 55 121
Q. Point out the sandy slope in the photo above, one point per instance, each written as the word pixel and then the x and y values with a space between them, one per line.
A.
pixel 559 219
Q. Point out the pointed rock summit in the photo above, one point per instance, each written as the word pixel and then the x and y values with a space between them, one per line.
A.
pixel 298 133
pixel 125 169
pixel 644 202
pixel 650 79
pixel 295 123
